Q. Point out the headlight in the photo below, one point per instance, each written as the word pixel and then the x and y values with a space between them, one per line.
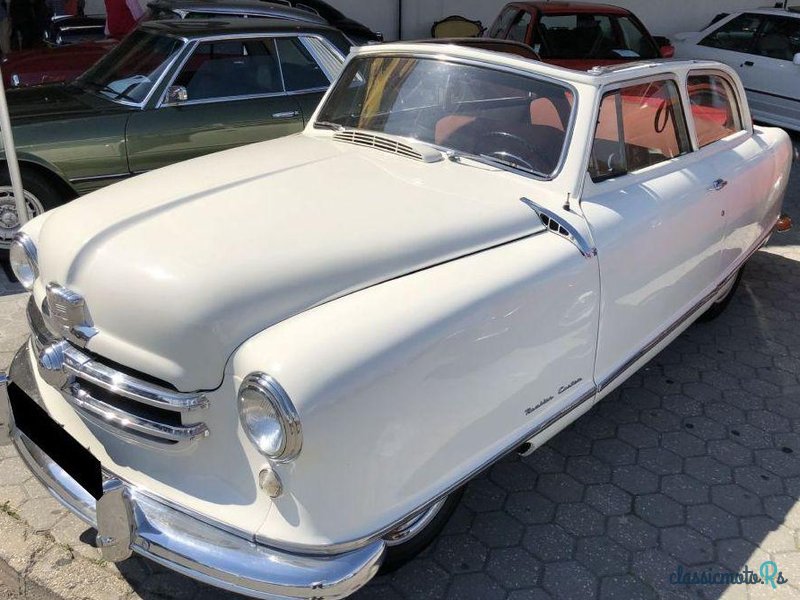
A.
pixel 269 418
pixel 24 260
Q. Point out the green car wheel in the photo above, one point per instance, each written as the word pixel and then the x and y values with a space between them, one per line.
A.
pixel 40 196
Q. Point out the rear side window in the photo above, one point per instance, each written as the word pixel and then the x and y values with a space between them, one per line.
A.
pixel 300 70
pixel 638 126
pixel 779 38
pixel 737 34
pixel 714 108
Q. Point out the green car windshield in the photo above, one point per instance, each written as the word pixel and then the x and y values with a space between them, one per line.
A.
pixel 510 119
pixel 129 72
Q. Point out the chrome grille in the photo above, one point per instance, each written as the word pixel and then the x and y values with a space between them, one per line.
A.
pixel 136 410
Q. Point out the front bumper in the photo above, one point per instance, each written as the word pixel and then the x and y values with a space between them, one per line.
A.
pixel 128 519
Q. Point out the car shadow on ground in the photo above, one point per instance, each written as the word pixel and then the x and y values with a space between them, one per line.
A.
pixel 694 463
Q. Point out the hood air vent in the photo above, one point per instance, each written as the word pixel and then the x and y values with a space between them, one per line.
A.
pixel 415 151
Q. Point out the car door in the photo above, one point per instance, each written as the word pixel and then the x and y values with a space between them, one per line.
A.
pixel 725 142
pixel 771 78
pixel 658 235
pixel 228 93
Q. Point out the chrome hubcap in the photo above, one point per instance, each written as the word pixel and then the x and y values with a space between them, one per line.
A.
pixel 9 219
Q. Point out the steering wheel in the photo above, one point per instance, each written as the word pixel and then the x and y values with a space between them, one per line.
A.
pixel 533 156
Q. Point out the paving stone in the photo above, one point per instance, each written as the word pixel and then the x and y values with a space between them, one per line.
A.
pixel 685 489
pixel 514 567
pixel 614 452
pixel 513 476
pixel 580 519
pixel 708 470
pixel 560 487
pixel 635 479
pixel 602 556
pixel 588 469
pixel 626 587
pixel 609 499
pixel 659 510
pixel 460 553
pixel 660 461
pixel 759 480
pixel 475 585
pixel 549 542
pixel 730 453
pixel 569 580
pixel 530 507
pixel 420 579
pixel 632 532
pixel 736 500
pixel 482 495
pixel 683 443
pixel 497 529
pixel 687 545
pixel 712 521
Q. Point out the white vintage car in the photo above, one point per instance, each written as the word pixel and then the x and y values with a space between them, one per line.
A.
pixel 273 369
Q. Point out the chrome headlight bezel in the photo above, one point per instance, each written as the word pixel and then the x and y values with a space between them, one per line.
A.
pixel 22 255
pixel 275 398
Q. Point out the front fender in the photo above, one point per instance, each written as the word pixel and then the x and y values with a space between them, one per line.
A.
pixel 407 387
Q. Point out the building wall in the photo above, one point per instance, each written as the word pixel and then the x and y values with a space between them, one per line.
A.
pixel 661 18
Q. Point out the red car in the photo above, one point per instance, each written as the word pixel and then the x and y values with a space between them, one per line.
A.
pixel 579 36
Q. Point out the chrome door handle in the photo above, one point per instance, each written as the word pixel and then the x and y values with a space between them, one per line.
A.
pixel 289 114
pixel 717 185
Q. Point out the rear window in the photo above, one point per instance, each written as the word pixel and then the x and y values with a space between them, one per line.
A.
pixel 637 127
pixel 714 108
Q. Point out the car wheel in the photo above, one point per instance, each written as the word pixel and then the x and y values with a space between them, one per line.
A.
pixel 40 196
pixel 722 302
pixel 416 534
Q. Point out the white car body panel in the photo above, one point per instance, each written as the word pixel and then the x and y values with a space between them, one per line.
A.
pixel 419 316
pixel 772 84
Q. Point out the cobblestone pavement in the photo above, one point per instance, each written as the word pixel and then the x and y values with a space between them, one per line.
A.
pixel 695 461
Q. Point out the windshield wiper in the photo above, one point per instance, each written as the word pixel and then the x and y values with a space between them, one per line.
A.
pixel 329 125
pixel 458 157
pixel 99 87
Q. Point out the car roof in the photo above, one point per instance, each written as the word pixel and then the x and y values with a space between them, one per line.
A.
pixel 251 7
pixel 573 7
pixel 595 77
pixel 788 12
pixel 201 28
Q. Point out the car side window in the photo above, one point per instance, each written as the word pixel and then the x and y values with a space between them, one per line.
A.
pixel 300 70
pixel 714 108
pixel 638 126
pixel 737 34
pixel 779 38
pixel 519 29
pixel 229 69
pixel 502 22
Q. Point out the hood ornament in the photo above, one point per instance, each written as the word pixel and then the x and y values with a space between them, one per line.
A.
pixel 67 315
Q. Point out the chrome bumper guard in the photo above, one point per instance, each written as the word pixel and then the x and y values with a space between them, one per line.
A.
pixel 128 519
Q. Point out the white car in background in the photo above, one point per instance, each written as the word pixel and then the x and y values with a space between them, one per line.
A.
pixel 763 46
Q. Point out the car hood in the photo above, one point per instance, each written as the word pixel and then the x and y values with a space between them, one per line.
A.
pixel 54 102
pixel 180 266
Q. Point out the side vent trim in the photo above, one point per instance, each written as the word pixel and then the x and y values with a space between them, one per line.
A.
pixel 558 226
pixel 409 150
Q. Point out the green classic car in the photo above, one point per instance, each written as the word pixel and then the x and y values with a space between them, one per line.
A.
pixel 170 91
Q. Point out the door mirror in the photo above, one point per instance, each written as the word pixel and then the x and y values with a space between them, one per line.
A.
pixel 796 59
pixel 665 47
pixel 176 94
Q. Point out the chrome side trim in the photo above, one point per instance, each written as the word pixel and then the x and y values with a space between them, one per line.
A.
pixel 99 177
pixel 557 225
pixel 692 312
pixel 385 532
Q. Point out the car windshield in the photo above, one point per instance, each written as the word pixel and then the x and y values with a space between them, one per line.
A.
pixel 592 36
pixel 129 72
pixel 516 120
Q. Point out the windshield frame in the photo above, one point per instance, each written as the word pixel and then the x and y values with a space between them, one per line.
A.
pixel 454 153
pixel 169 66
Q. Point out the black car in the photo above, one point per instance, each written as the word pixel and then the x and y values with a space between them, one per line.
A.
pixel 359 33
